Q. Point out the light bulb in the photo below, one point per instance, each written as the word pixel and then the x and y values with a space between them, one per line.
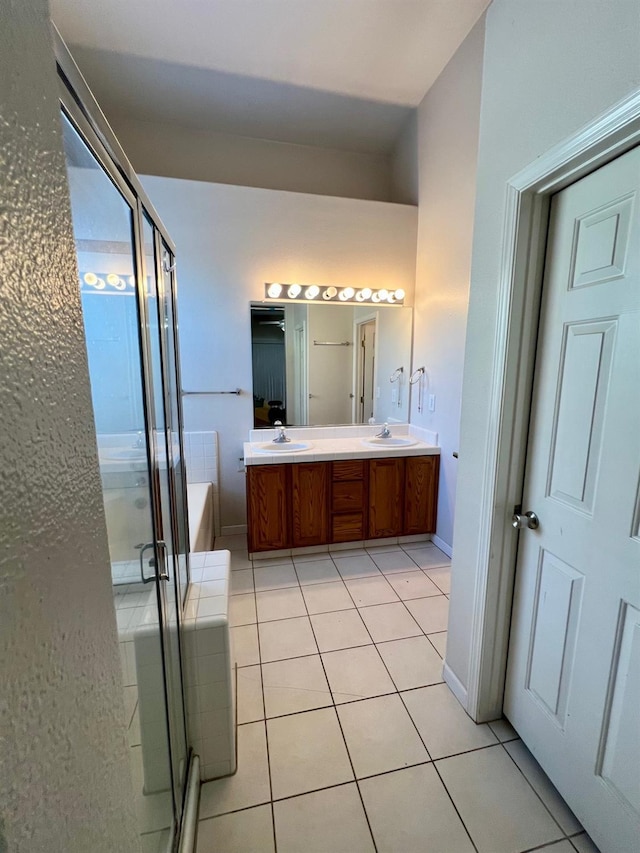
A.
pixel 330 292
pixel 366 292
pixel 360 296
pixel 132 281
pixel 399 294
pixel 90 278
pixel 346 293
pixel 274 290
pixel 100 284
pixel 115 281
pixel 383 294
pixel 293 291
pixel 312 292
pixel 391 298
pixel 375 297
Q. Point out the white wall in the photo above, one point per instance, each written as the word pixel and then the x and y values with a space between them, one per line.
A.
pixel 549 68
pixel 65 785
pixel 179 152
pixel 448 119
pixel 230 241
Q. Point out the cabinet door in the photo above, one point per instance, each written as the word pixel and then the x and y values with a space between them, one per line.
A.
pixel 421 494
pixel 386 490
pixel 310 503
pixel 267 510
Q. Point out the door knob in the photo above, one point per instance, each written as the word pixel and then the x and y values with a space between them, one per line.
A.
pixel 523 521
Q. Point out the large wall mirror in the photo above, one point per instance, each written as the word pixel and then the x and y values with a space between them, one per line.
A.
pixel 330 364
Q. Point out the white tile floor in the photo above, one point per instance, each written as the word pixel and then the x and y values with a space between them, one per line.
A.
pixel 348 738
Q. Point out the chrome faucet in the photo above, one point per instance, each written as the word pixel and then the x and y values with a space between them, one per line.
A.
pixel 384 433
pixel 281 435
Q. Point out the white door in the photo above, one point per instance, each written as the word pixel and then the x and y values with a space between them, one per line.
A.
pixel 366 370
pixel 573 681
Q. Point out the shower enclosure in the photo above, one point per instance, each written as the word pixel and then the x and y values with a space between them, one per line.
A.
pixel 128 292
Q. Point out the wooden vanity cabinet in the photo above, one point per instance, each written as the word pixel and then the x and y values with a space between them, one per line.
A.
pixel 310 504
pixel 268 507
pixel 316 503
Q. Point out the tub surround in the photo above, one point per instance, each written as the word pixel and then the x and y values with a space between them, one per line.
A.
pixel 339 442
pixel 208 662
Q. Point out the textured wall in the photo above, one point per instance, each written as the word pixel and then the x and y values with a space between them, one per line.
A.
pixel 228 159
pixel 448 121
pixel 64 779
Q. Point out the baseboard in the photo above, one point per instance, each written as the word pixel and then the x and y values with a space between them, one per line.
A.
pixel 455 685
pixel 444 546
pixel 233 529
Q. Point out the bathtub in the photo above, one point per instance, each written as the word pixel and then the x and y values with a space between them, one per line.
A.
pixel 200 507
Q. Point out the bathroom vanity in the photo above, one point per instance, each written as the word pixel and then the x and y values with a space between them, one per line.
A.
pixel 345 489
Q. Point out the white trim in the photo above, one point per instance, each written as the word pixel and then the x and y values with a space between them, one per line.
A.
pixel 455 685
pixel 444 546
pixel 524 230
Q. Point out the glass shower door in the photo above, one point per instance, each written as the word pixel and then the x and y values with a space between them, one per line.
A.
pixel 136 449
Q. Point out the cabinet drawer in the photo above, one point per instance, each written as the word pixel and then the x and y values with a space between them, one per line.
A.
pixel 348 496
pixel 349 469
pixel 348 527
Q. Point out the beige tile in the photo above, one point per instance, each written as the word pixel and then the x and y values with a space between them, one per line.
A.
pixel 249 786
pixel 410 811
pixel 329 820
pixel 242 609
pixel 584 844
pixel 241 581
pixel 249 696
pixel 428 557
pixel 278 576
pixel 496 803
pixel 441 577
pixel 380 735
pixel 240 560
pixel 309 553
pixel 340 630
pixel 389 622
pixel 357 566
pixel 445 727
pixel 439 642
pixel 372 590
pixel 543 786
pixel 306 752
pixel 280 604
pixel 231 542
pixel 298 684
pixel 286 638
pixel 502 729
pixel 325 597
pixel 248 831
pixel 412 662
pixel 316 571
pixel 244 645
pixel 412 585
pixel 432 614
pixel 356 674
pixel 391 562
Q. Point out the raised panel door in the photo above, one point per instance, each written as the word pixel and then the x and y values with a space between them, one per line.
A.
pixel 310 503
pixel 421 494
pixel 267 507
pixel 386 492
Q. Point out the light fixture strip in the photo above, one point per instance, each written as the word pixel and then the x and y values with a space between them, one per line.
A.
pixel 343 295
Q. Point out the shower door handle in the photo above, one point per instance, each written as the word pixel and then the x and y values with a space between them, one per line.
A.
pixel 162 573
pixel 152 562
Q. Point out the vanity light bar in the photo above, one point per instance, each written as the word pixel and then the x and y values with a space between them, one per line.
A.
pixel 317 293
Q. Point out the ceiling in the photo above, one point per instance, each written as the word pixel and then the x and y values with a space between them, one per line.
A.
pixel 334 73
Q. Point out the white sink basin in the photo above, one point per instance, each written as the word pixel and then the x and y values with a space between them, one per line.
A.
pixel 380 443
pixel 288 447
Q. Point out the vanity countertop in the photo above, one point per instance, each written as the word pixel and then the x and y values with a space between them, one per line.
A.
pixel 325 445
